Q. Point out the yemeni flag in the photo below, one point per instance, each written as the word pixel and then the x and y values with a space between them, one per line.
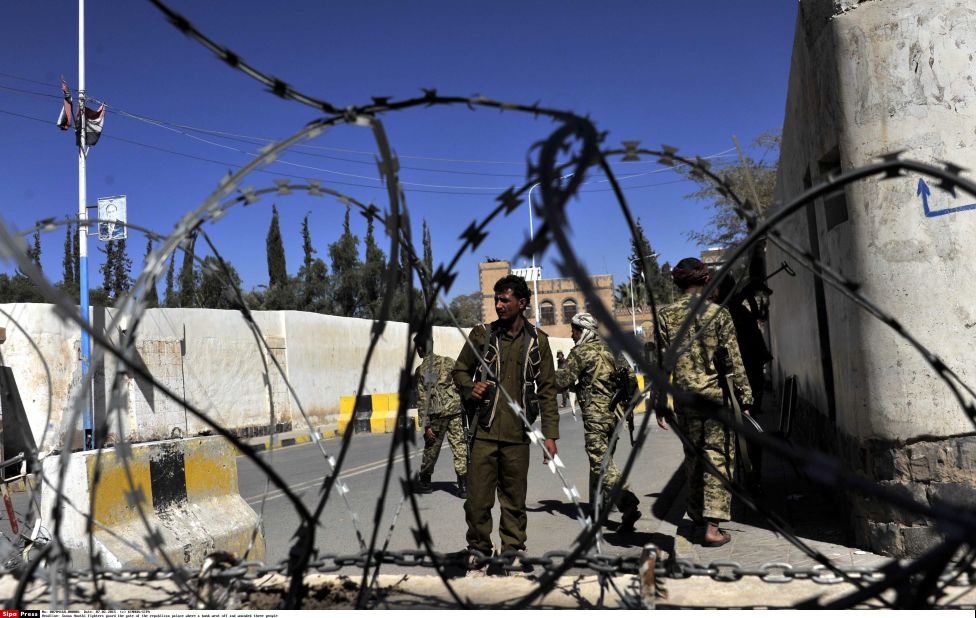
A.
pixel 94 121
pixel 94 118
pixel 64 119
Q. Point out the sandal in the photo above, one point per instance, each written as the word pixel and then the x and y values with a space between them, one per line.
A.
pixel 726 537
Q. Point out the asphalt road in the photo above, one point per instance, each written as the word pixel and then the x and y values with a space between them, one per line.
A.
pixel 553 519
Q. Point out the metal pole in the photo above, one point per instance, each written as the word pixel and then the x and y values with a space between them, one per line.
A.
pixel 535 278
pixel 630 277
pixel 83 226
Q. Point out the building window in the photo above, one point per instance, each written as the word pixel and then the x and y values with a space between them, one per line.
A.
pixel 547 311
pixel 569 310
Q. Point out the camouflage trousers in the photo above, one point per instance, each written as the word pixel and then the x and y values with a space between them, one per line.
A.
pixel 451 427
pixel 707 497
pixel 597 432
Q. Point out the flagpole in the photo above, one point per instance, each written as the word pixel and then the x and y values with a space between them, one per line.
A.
pixel 83 230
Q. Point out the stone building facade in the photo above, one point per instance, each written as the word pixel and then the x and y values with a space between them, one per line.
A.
pixel 869 78
pixel 559 299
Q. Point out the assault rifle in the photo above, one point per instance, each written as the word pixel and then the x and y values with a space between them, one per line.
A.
pixel 625 387
pixel 723 366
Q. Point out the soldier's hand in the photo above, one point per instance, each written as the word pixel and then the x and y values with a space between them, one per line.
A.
pixel 551 450
pixel 429 434
pixel 662 422
pixel 479 390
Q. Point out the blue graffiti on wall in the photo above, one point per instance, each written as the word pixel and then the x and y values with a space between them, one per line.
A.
pixel 923 190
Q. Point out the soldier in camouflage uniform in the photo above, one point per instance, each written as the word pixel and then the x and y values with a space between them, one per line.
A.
pixel 589 368
pixel 709 502
pixel 439 407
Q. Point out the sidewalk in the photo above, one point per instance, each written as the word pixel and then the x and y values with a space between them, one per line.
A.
pixel 811 512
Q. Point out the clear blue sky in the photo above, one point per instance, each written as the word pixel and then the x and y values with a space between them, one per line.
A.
pixel 688 74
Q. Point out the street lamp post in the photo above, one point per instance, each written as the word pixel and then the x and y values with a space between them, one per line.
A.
pixel 630 270
pixel 535 278
pixel 535 275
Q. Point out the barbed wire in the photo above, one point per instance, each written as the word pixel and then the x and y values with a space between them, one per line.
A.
pixel 916 582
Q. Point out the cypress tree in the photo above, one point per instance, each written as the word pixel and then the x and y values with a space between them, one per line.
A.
pixel 371 291
pixel 169 296
pixel 68 264
pixel 277 272
pixel 188 287
pixel 108 267
pixel 121 270
pixel 152 295
pixel 346 267
pixel 428 263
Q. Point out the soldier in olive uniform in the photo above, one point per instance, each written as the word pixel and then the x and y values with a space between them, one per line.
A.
pixel 439 407
pixel 709 502
pixel 520 368
pixel 590 367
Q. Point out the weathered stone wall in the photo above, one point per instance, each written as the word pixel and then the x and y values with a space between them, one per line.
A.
pixel 869 78
pixel 211 359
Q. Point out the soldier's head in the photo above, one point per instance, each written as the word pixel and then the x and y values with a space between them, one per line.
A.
pixel 424 343
pixel 584 327
pixel 512 296
pixel 690 274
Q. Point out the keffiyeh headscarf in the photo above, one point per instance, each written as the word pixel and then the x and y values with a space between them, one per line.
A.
pixel 585 322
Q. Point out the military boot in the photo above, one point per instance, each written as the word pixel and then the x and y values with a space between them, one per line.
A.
pixel 423 484
pixel 462 487
pixel 628 512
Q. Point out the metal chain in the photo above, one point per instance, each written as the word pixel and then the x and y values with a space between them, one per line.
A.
pixel 725 571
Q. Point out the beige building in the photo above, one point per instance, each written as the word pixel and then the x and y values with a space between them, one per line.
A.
pixel 559 299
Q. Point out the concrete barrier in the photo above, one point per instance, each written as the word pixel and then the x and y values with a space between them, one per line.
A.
pixel 211 358
pixel 179 498
pixel 374 413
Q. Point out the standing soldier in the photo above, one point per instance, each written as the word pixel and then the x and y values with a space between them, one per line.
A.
pixel 593 370
pixel 513 364
pixel 709 502
pixel 439 407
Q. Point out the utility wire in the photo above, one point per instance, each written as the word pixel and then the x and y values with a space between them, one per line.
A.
pixel 411 186
pixel 181 128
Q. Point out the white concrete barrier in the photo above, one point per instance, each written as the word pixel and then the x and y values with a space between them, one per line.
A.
pixel 212 359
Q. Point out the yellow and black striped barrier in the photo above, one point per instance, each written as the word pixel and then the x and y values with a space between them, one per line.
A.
pixel 374 413
pixel 179 498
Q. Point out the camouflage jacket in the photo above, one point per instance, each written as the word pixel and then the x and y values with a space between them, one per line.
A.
pixel 694 369
pixel 589 366
pixel 437 396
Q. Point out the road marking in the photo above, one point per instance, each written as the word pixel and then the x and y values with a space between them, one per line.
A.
pixel 355 471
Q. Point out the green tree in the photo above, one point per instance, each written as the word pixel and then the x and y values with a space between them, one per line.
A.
pixel 188 276
pixel 466 309
pixel 371 276
pixel 277 271
pixel 643 261
pixel 752 178
pixel 428 261
pixel 313 276
pixel 152 295
pixel 121 281
pixel 108 267
pixel 35 253
pixel 169 295
pixel 217 287
pixel 68 264
pixel 344 254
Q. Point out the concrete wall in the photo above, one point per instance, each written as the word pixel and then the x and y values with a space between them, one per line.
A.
pixel 211 359
pixel 870 78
